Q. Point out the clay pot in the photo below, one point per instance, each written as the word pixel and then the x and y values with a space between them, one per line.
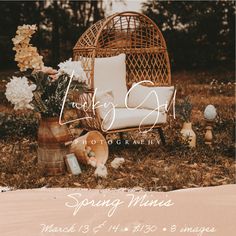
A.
pixel 188 134
pixel 96 141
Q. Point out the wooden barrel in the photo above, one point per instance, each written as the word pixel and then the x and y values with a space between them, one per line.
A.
pixel 51 148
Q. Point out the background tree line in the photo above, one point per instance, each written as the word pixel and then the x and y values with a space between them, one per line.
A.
pixel 199 34
pixel 60 23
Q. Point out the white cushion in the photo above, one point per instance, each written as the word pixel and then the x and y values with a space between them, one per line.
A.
pixel 104 104
pixel 110 74
pixel 154 98
pixel 125 118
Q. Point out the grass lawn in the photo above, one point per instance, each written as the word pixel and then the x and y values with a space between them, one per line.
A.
pixel 151 166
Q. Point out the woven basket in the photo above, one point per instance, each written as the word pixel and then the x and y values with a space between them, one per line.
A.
pixel 96 141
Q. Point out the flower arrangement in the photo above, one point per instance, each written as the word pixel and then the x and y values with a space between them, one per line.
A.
pixel 41 88
pixel 26 55
pixel 184 109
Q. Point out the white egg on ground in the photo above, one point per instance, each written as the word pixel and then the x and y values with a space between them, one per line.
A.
pixel 210 112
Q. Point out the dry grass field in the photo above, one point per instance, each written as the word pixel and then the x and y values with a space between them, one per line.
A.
pixel 151 167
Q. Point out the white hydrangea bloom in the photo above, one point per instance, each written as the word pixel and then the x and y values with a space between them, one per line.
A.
pixel 74 67
pixel 19 92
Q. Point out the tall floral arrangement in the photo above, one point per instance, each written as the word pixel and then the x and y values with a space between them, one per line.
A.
pixel 26 55
pixel 41 88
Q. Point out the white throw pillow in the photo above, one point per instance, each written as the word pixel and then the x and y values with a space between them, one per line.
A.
pixel 154 98
pixel 105 104
pixel 110 74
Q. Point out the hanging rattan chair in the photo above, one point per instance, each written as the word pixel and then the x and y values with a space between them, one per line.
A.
pixel 140 39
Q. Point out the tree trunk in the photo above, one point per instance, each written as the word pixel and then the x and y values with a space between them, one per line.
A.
pixel 55 35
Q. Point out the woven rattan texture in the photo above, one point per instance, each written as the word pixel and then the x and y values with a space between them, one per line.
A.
pixel 131 33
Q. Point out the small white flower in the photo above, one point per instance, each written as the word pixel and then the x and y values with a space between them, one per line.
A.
pixel 117 162
pixel 19 92
pixel 73 67
pixel 101 171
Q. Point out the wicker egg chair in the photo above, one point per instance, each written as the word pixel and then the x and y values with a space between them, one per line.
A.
pixel 140 39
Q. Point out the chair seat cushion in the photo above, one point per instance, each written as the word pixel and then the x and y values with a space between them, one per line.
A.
pixel 126 118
